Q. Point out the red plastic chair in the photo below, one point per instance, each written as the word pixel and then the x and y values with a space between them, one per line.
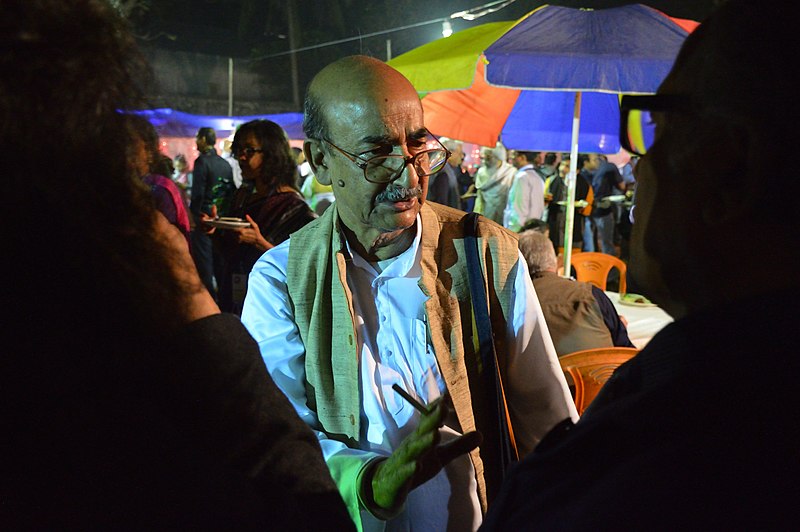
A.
pixel 591 368
pixel 592 267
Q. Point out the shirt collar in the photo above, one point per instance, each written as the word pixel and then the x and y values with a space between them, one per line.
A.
pixel 405 264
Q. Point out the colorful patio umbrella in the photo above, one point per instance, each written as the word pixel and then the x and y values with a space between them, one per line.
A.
pixel 628 49
pixel 524 120
pixel 450 63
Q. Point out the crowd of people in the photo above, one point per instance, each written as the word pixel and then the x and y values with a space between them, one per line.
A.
pixel 361 389
pixel 519 189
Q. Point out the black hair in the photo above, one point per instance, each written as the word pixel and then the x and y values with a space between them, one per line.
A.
pixel 208 134
pixel 279 167
pixel 102 280
pixel 141 128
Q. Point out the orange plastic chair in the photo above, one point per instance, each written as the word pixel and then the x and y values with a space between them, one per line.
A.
pixel 592 267
pixel 591 368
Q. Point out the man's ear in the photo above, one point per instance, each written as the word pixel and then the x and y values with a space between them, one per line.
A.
pixel 312 148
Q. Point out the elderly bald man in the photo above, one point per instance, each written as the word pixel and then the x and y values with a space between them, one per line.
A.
pixel 374 294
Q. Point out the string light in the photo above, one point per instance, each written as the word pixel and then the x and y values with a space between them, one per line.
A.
pixel 447 29
pixel 469 14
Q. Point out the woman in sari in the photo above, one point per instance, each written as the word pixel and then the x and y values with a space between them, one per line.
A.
pixel 267 199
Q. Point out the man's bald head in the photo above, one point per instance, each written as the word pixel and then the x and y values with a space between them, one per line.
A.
pixel 359 109
pixel 354 80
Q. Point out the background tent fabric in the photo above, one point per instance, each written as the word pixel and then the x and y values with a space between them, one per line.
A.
pixel 171 123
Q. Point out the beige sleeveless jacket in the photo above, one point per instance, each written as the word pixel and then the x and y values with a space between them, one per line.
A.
pixel 323 309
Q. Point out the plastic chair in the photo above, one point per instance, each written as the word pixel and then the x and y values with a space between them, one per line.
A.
pixel 591 368
pixel 592 267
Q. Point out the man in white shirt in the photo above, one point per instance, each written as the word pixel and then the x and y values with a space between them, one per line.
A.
pixel 374 294
pixel 492 183
pixel 233 161
pixel 526 196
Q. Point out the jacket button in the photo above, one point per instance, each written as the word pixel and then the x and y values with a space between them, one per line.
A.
pixel 352 419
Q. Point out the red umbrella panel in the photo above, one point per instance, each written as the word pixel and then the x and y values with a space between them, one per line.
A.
pixel 521 119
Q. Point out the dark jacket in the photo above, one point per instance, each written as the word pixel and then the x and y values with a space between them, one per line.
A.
pixel 192 436
pixel 210 171
pixel 574 314
pixel 698 432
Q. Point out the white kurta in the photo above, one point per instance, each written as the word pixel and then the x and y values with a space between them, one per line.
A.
pixel 393 341
pixel 492 190
pixel 525 199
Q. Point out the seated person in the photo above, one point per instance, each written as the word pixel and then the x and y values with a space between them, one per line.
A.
pixel 579 315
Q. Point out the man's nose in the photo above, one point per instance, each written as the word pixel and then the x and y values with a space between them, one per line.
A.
pixel 408 178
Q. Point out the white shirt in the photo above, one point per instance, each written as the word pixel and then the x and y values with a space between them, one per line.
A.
pixel 392 337
pixel 237 170
pixel 525 199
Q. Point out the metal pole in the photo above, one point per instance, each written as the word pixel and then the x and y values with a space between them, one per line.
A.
pixel 571 180
pixel 293 56
pixel 388 49
pixel 230 86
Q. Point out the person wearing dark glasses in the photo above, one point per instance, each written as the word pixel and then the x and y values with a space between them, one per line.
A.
pixel 268 200
pixel 375 294
pixel 699 431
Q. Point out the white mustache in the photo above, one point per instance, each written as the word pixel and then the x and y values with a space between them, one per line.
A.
pixel 399 194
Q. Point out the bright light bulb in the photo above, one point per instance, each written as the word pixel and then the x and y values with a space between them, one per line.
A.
pixel 447 29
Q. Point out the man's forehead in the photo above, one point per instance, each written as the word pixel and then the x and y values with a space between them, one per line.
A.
pixel 375 120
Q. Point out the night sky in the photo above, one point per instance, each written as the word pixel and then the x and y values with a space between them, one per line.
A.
pixel 249 30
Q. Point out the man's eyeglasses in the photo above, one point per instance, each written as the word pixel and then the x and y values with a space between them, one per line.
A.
pixel 247 151
pixel 386 168
pixel 636 127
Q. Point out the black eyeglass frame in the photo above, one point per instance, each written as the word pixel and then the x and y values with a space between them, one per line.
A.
pixel 248 151
pixel 363 163
pixel 659 103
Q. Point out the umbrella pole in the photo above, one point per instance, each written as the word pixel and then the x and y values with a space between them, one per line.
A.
pixel 571 180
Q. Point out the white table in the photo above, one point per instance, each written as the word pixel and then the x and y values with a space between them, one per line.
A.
pixel 643 322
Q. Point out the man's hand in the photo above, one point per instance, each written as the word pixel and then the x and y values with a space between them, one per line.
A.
pixel 470 193
pixel 418 458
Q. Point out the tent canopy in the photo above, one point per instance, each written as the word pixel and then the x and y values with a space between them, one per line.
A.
pixel 171 123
